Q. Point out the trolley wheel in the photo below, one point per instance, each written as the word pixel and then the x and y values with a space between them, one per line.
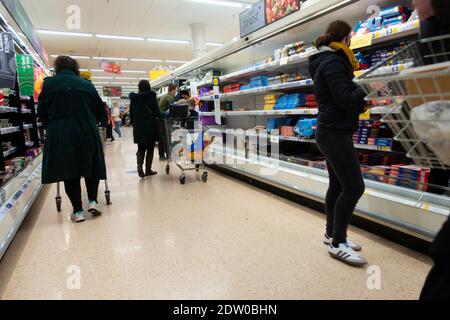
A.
pixel 205 177
pixel 183 179
pixel 108 197
pixel 167 169
pixel 58 204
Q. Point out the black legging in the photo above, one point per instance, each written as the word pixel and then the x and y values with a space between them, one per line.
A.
pixel 346 181
pixel 149 149
pixel 162 144
pixel 73 190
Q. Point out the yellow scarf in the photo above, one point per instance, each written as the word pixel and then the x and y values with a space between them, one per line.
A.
pixel 348 52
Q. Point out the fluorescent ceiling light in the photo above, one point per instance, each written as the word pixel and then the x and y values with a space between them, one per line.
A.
pixel 74 57
pixel 97 70
pixel 105 36
pixel 102 78
pixel 216 44
pixel 84 69
pixel 134 71
pixel 120 82
pixel 146 60
pixel 176 61
pixel 169 41
pixel 61 33
pixel 109 58
pixel 100 82
pixel 219 2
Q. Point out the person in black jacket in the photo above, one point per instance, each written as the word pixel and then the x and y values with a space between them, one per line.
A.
pixel 435 21
pixel 144 114
pixel 340 103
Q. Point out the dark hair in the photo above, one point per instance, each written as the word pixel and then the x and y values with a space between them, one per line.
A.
pixel 144 86
pixel 172 87
pixel 336 32
pixel 66 63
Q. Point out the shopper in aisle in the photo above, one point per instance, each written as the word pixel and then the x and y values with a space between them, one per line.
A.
pixel 71 108
pixel 435 20
pixel 117 120
pixel 144 117
pixel 340 103
pixel 110 123
pixel 164 105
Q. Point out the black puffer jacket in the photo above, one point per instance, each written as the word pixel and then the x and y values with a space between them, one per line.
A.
pixel 340 99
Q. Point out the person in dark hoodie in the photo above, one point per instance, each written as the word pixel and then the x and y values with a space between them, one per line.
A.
pixel 435 21
pixel 144 114
pixel 340 103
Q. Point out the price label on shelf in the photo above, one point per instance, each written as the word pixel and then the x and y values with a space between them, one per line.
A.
pixel 284 61
pixel 383 148
pixel 274 138
pixel 364 40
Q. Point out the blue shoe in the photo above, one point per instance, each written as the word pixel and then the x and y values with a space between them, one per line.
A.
pixel 93 209
pixel 78 217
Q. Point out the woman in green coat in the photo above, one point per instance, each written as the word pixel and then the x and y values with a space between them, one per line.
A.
pixel 71 109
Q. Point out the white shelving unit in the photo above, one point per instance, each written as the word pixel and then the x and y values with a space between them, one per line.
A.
pixel 9 152
pixel 9 130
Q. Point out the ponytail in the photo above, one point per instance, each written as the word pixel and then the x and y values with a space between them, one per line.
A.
pixel 336 32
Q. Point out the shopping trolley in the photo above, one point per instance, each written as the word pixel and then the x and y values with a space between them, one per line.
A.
pixel 416 75
pixel 102 133
pixel 185 142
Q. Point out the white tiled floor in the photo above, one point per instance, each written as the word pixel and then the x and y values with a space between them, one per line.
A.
pixel 220 240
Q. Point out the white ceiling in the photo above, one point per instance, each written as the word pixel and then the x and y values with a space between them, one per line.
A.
pixel 163 19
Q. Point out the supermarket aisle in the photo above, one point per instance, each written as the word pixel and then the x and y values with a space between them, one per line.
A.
pixel 161 240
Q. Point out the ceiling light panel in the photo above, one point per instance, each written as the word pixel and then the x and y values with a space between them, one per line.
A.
pixel 145 60
pixel 219 3
pixel 169 41
pixel 109 58
pixel 62 33
pixel 105 36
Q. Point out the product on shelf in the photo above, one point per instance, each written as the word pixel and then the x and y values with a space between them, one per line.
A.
pixel 231 88
pixel 289 50
pixel 287 131
pixel 306 128
pixel 410 176
pixel 390 16
pixel 256 82
pixel 290 101
pixel 269 101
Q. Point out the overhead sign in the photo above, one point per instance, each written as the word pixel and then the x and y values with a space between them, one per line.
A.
pixel 252 19
pixel 111 67
pixel 7 61
pixel 278 9
pixel 25 71
pixel 155 74
pixel 19 15
pixel 110 91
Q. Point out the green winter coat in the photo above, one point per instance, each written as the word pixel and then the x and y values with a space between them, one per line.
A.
pixel 71 108
pixel 165 102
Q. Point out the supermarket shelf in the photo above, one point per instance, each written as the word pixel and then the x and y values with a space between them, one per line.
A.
pixel 290 112
pixel 29 143
pixel 262 90
pixel 26 111
pixel 9 130
pixel 10 152
pixel 28 126
pixel 7 110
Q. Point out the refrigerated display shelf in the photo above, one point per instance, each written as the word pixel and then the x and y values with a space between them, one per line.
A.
pixel 28 126
pixel 287 112
pixel 9 130
pixel 10 152
pixel 263 90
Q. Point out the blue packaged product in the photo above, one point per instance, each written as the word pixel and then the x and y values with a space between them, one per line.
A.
pixel 390 11
pixel 375 24
pixel 306 128
pixel 272 124
pixel 394 21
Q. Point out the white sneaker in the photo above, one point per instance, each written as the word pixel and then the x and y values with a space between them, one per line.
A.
pixel 77 217
pixel 327 240
pixel 347 255
pixel 93 209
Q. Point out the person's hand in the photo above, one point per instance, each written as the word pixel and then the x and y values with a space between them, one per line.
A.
pixel 424 9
